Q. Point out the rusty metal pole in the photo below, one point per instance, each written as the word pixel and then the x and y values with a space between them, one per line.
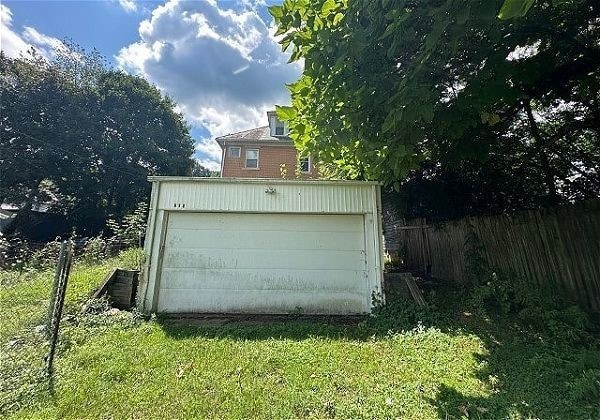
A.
pixel 60 301
pixel 57 275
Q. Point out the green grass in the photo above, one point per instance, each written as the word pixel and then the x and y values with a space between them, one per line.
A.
pixel 121 366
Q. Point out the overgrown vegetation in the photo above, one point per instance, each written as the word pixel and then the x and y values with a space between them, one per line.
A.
pixel 463 112
pixel 17 254
pixel 453 358
pixel 491 292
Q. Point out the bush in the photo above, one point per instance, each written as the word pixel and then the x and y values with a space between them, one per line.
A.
pixel 401 315
pixel 130 230
pixel 586 388
pixel 505 294
pixel 569 324
pixel 498 293
pixel 45 257
pixel 95 250
pixel 14 252
pixel 17 254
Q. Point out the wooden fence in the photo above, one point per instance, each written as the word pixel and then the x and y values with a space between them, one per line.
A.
pixel 556 248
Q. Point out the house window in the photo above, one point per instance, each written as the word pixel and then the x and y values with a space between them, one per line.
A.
pixel 234 152
pixel 279 128
pixel 252 158
pixel 305 165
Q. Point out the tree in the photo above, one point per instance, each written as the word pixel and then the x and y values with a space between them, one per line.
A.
pixel 85 137
pixel 402 90
pixel 200 171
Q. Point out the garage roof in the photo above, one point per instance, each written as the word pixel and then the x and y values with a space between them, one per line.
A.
pixel 260 180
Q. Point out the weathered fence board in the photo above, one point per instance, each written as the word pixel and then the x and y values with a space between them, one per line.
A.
pixel 120 286
pixel 556 248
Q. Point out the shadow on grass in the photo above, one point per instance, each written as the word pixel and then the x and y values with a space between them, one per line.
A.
pixel 527 375
pixel 264 327
pixel 528 379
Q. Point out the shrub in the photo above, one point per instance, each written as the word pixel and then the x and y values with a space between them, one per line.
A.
pixel 95 249
pixel 568 324
pixel 494 292
pixel 586 388
pixel 14 252
pixel 401 315
pixel 128 232
pixel 45 257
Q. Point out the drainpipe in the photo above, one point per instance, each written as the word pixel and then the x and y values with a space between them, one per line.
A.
pixel 223 156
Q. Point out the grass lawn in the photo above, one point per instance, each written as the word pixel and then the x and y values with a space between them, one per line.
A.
pixel 119 365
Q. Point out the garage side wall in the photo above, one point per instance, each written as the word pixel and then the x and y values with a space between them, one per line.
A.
pixel 171 196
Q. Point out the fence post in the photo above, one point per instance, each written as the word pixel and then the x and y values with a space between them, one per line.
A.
pixel 57 274
pixel 58 299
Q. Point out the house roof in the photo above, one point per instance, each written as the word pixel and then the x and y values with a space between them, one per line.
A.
pixel 259 134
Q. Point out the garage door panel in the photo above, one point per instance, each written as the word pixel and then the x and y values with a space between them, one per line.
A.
pixel 266 222
pixel 260 239
pixel 264 301
pixel 264 263
pixel 263 259
pixel 275 279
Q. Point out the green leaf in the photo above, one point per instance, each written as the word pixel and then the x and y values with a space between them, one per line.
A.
pixel 328 7
pixel 337 18
pixel 514 9
pixel 285 43
pixel 276 11
pixel 285 113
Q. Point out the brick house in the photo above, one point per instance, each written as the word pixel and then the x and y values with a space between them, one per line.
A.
pixel 263 152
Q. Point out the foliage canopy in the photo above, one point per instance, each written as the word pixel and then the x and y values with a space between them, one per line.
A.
pixel 419 93
pixel 84 137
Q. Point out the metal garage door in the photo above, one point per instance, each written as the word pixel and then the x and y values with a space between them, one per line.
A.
pixel 264 263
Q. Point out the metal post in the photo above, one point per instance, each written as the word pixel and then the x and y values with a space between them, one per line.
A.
pixel 57 275
pixel 60 301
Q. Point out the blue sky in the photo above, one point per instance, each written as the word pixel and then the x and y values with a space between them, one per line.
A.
pixel 219 60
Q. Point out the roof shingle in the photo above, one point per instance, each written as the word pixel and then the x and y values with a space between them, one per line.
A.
pixel 259 134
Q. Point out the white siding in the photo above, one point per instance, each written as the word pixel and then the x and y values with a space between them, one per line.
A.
pixel 225 245
pixel 289 197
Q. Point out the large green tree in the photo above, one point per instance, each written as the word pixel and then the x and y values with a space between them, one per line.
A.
pixel 417 93
pixel 84 137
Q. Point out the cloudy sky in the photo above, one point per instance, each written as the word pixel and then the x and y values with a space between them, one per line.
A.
pixel 217 59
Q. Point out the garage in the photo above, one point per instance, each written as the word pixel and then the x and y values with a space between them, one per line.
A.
pixel 218 245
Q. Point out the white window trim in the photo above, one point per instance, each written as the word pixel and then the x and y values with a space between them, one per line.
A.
pixel 239 152
pixel 273 127
pixel 309 165
pixel 257 159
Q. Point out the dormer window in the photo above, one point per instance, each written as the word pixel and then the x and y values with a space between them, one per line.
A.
pixel 277 128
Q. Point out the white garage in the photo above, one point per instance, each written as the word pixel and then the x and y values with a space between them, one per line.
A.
pixel 255 246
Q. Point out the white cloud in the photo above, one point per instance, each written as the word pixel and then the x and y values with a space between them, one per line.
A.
pixel 128 5
pixel 210 164
pixel 223 66
pixel 210 149
pixel 14 44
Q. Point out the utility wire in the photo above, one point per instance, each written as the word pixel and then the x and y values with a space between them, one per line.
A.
pixel 81 158
pixel 69 152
